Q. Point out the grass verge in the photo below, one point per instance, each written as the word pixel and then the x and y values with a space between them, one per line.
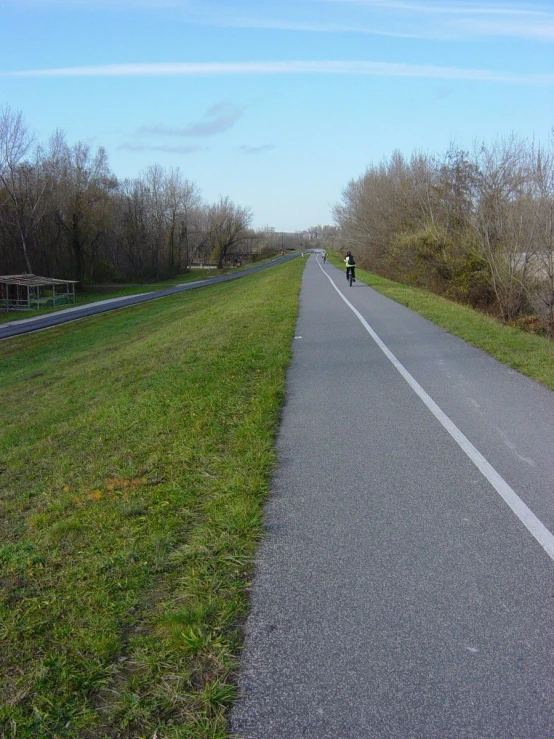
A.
pixel 135 455
pixel 530 354
pixel 105 292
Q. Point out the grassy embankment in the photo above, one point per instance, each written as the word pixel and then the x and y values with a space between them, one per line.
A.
pixel 135 455
pixel 530 354
pixel 94 294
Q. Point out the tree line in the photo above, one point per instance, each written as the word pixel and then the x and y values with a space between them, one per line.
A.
pixel 476 226
pixel 63 213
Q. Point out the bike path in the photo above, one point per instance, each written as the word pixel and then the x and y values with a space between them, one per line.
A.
pixel 396 594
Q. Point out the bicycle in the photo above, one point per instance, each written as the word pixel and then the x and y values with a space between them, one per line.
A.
pixel 350 275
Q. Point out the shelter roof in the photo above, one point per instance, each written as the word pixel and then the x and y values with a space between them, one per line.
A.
pixel 33 280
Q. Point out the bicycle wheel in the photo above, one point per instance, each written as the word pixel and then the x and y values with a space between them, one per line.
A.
pixel 350 278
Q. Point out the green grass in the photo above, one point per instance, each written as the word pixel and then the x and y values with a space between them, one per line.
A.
pixel 93 295
pixel 530 354
pixel 135 455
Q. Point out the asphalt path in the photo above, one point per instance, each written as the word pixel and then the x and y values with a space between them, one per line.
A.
pixel 404 585
pixel 28 325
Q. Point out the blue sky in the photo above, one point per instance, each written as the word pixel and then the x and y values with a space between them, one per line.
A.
pixel 277 104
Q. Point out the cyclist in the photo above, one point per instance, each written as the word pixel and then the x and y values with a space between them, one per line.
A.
pixel 350 265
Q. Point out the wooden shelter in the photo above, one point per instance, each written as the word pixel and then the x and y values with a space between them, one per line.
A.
pixel 31 292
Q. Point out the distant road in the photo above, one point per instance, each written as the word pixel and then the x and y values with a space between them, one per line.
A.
pixel 404 587
pixel 39 323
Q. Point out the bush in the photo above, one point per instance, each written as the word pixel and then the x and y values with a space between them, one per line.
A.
pixel 430 259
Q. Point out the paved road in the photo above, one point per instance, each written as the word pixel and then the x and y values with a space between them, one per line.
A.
pixel 28 325
pixel 397 594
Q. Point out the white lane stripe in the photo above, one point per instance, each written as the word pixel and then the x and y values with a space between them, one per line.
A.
pixel 521 510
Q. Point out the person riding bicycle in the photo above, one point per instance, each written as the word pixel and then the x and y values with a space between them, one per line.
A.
pixel 350 266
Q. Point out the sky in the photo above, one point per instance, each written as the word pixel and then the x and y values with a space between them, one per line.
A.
pixel 277 105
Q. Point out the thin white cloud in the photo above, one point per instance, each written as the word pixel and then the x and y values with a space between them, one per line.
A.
pixel 373 69
pixel 414 6
pixel 409 20
pixel 460 20
pixel 441 9
pixel 102 4
pixel 309 27
pixel 421 19
pixel 508 27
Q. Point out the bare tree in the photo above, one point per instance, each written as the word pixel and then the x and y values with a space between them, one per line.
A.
pixel 379 206
pixel 228 227
pixel 82 201
pixel 539 213
pixel 154 178
pixel 15 143
pixel 354 217
pixel 182 201
pixel 504 233
pixel 132 230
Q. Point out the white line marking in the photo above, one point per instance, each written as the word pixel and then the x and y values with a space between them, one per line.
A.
pixel 521 510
